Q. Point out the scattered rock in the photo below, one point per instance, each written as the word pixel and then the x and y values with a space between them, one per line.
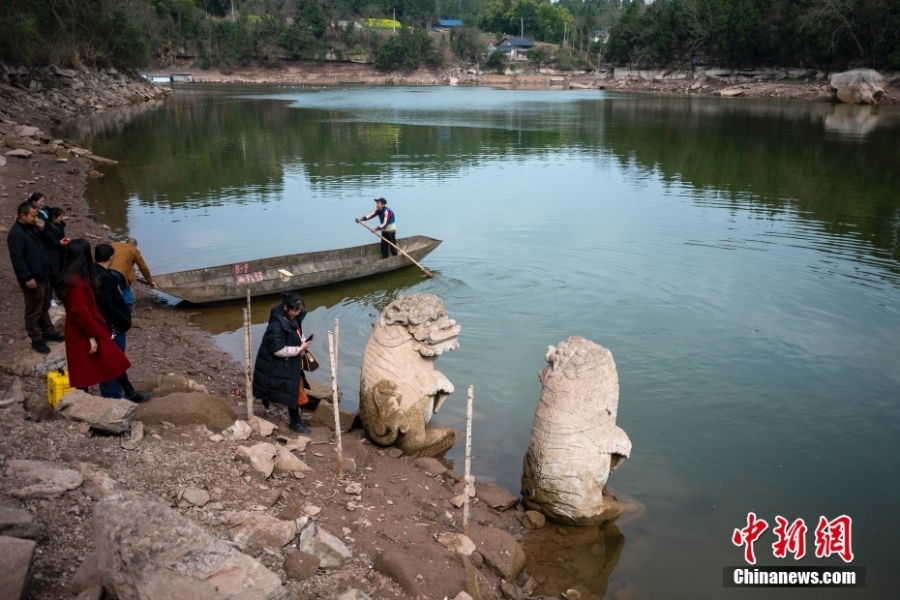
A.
pixel 109 415
pixel 456 542
pixel 146 550
pixel 430 465
pixel 269 498
pixel 496 496
pixel 395 452
pixel 137 436
pixel 15 567
pixel 500 550
pixel 239 431
pixel 264 531
pixel 44 480
pixel 263 428
pixel 286 462
pixel 331 551
pixel 17 522
pixel 259 456
pixel 20 153
pixel 195 497
pixel 299 565
pixel 458 501
pixel 533 519
pixel 352 594
pixel 354 489
pixel 97 482
pixel 187 408
pixel 172 383
pixel 311 510
pixel 731 92
pixel 511 591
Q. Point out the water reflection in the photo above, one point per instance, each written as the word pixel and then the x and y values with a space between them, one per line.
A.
pixel 202 151
pixel 575 558
pixel 372 292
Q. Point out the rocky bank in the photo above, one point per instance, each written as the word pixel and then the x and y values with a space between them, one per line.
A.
pixel 98 499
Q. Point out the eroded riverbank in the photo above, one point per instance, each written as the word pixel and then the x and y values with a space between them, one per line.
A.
pixel 388 520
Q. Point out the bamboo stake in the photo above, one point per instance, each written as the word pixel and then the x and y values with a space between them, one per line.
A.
pixel 248 372
pixel 399 249
pixel 468 474
pixel 337 346
pixel 332 351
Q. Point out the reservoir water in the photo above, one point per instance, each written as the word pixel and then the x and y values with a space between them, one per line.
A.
pixel 740 259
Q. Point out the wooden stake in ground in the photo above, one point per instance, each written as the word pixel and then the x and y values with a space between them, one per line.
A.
pixel 468 474
pixel 248 368
pixel 332 351
pixel 337 345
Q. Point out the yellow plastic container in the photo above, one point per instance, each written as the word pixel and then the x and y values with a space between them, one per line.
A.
pixel 57 386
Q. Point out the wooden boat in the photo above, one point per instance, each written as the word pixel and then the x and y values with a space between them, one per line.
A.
pixel 293 272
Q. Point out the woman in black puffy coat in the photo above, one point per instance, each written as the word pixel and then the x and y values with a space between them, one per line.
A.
pixel 277 375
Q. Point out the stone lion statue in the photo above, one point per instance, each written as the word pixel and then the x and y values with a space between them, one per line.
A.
pixel 575 443
pixel 399 388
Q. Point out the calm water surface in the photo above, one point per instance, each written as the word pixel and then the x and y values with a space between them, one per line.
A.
pixel 740 259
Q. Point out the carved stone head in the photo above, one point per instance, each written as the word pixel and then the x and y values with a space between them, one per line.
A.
pixel 422 317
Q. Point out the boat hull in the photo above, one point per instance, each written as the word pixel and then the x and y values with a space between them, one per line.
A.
pixel 269 276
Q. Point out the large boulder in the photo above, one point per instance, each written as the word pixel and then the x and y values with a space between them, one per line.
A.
pixel 575 442
pixel 859 86
pixel 109 415
pixel 399 387
pixel 15 567
pixel 500 550
pixel 187 408
pixel 148 551
pixel 329 549
pixel 448 573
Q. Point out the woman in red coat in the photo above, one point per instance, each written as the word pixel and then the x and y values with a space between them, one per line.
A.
pixel 91 353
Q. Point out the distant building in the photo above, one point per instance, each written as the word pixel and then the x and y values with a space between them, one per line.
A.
pixel 450 23
pixel 514 47
pixel 600 35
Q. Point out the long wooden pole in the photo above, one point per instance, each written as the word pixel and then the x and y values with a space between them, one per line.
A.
pixel 248 368
pixel 398 248
pixel 468 475
pixel 334 397
pixel 248 365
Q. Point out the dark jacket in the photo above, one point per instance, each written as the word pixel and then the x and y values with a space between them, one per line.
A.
pixel 52 235
pixel 277 379
pixel 112 304
pixel 28 253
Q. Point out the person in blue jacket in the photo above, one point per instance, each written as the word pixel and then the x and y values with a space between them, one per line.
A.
pixel 387 228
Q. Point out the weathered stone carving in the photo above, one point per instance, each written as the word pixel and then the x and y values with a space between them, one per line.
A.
pixel 575 442
pixel 859 86
pixel 399 387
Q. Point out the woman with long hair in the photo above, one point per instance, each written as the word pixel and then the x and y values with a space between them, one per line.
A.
pixel 91 354
pixel 278 375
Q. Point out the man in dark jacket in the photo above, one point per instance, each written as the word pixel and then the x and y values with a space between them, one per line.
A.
pixel 113 308
pixel 31 263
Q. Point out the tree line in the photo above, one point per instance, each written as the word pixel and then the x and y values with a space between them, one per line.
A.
pixel 231 33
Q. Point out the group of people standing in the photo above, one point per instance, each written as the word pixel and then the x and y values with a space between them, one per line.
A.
pixel 94 289
pixel 96 293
